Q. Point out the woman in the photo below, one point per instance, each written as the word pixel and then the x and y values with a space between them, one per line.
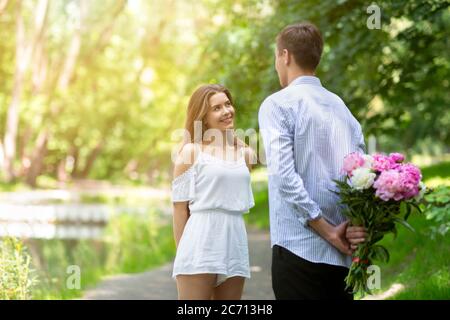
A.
pixel 210 192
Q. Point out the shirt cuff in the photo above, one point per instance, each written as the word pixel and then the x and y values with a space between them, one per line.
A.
pixel 305 218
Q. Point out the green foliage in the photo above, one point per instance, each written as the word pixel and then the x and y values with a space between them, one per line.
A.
pixel 137 242
pixel 438 210
pixel 259 214
pixel 115 115
pixel 17 278
pixel 55 256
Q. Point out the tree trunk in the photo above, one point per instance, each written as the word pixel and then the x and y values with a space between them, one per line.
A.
pixel 2 155
pixel 75 153
pixel 61 172
pixel 12 120
pixel 90 160
pixel 24 54
pixel 63 81
pixel 37 158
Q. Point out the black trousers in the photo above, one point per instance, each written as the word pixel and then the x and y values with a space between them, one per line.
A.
pixel 294 278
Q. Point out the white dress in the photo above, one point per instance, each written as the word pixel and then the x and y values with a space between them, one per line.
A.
pixel 214 239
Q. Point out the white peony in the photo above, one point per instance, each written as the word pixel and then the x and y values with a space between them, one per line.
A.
pixel 422 190
pixel 368 161
pixel 362 178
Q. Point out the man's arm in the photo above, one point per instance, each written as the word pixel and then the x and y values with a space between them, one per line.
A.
pixel 277 131
pixel 360 138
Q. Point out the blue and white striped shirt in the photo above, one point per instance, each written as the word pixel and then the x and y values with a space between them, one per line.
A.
pixel 307 131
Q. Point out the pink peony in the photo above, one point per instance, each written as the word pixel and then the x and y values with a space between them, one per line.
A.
pixel 410 177
pixel 397 157
pixel 411 170
pixel 388 185
pixel 352 161
pixel 403 182
pixel 382 163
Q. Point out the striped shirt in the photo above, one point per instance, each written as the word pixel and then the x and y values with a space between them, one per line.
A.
pixel 307 131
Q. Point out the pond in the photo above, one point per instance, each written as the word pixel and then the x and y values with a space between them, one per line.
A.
pixel 60 221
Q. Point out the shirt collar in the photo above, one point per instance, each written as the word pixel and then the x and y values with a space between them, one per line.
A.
pixel 306 80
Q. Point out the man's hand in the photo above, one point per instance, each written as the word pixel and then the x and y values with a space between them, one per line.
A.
pixel 335 235
pixel 355 235
pixel 339 240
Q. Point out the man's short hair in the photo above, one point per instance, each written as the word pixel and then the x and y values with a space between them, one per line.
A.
pixel 304 42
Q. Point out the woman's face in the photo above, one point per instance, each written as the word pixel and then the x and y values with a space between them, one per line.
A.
pixel 221 113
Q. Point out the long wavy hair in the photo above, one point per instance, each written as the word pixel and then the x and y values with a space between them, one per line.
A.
pixel 198 108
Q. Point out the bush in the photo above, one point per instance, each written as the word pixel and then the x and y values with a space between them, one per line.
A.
pixel 438 210
pixel 16 280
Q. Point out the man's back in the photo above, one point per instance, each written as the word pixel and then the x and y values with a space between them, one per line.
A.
pixel 307 132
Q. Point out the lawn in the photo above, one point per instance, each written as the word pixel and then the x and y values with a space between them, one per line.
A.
pixel 418 261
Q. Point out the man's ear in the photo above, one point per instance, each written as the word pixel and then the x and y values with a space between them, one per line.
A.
pixel 286 57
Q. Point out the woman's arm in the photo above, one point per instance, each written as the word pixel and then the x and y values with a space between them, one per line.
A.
pixel 184 161
pixel 180 218
pixel 250 158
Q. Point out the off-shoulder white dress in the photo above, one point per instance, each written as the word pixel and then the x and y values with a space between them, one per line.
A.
pixel 214 239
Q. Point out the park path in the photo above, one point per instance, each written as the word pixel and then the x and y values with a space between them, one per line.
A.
pixel 158 284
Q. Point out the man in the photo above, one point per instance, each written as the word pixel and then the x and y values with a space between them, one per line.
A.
pixel 307 131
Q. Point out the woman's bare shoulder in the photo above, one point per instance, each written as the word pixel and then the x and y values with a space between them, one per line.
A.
pixel 186 158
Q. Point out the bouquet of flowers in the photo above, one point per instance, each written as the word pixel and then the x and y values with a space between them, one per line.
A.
pixel 378 193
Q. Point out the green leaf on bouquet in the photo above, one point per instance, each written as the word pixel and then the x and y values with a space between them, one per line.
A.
pixel 395 232
pixel 408 211
pixel 415 205
pixel 377 236
pixel 403 208
pixel 380 253
pixel 404 223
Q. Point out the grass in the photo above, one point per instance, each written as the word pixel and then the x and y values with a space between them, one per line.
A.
pixel 11 187
pixel 438 174
pixel 418 262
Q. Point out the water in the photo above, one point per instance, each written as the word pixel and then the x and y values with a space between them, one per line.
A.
pixel 59 221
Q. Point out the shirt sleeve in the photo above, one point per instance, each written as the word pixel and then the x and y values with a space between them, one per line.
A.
pixel 183 186
pixel 277 132
pixel 360 138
